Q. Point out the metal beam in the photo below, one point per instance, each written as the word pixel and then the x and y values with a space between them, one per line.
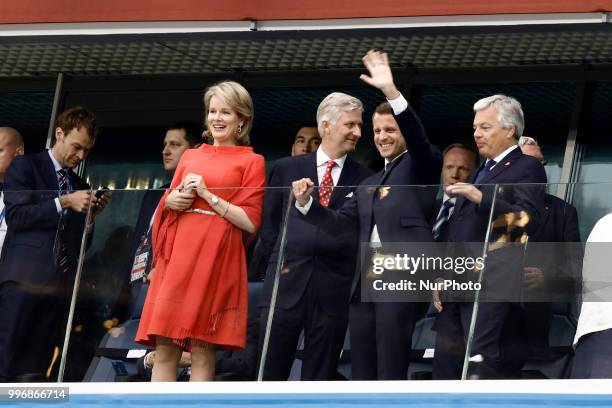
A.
pixel 569 169
pixel 57 97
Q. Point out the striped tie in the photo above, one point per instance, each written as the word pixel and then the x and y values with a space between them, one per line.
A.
pixel 443 217
pixel 327 184
pixel 63 252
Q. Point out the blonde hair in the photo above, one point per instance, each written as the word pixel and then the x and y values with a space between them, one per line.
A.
pixel 239 99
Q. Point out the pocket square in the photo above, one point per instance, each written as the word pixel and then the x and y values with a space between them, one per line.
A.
pixel 349 195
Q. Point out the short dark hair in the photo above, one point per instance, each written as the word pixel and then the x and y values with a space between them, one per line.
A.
pixel 76 118
pixel 383 109
pixel 193 132
pixel 297 128
pixel 464 147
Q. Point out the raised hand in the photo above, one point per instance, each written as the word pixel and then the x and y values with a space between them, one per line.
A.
pixel 381 77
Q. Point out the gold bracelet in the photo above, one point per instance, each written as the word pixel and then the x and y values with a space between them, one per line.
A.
pixel 226 210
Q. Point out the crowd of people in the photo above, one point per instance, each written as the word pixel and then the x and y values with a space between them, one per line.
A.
pixel 188 255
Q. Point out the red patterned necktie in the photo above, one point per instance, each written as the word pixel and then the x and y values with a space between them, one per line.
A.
pixel 327 184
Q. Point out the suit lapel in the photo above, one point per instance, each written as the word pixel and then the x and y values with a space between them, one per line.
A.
pixel 309 168
pixel 500 167
pixel 391 166
pixel 48 171
pixel 347 178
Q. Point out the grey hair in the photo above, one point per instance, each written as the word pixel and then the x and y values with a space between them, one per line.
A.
pixel 509 112
pixel 330 109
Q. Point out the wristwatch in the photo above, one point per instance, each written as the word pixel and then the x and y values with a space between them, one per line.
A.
pixel 214 200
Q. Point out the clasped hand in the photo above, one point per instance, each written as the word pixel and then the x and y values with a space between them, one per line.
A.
pixel 302 190
pixel 81 200
pixel 182 197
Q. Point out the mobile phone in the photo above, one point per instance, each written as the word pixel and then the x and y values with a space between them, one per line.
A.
pixel 101 192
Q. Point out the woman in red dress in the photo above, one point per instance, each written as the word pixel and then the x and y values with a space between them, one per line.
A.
pixel 198 295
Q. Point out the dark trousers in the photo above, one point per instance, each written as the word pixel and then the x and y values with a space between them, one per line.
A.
pixel 381 339
pixel 323 339
pixel 30 321
pixel 498 338
pixel 593 357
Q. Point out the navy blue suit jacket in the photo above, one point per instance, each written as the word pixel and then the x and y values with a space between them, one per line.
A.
pixel 392 199
pixel 469 222
pixel 147 208
pixel 28 254
pixel 521 184
pixel 326 259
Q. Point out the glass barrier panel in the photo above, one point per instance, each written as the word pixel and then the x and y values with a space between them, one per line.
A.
pixel 523 319
pixel 41 246
pixel 181 275
pixel 517 285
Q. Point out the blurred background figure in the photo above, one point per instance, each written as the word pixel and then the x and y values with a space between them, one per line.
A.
pixel 307 140
pixel 11 145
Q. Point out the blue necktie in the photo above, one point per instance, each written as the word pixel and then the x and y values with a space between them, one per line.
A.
pixel 482 173
pixel 63 252
pixel 442 218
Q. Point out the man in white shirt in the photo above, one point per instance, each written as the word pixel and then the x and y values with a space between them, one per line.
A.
pixel 11 145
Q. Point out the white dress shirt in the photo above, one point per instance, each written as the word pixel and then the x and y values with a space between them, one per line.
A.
pixel 501 156
pixel 595 316
pixel 57 168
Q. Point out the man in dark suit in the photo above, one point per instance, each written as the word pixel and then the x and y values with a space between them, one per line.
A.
pixel 317 266
pixel 11 145
pixel 498 349
pixel 394 211
pixel 46 206
pixel 552 271
pixel 179 137
pixel 458 161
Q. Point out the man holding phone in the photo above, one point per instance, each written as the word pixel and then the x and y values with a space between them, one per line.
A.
pixel 47 213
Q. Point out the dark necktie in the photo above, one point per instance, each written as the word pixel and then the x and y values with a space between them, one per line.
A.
pixel 442 218
pixel 63 252
pixel 62 176
pixel 482 173
pixel 327 184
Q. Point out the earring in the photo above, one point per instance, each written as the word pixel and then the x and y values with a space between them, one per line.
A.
pixel 240 128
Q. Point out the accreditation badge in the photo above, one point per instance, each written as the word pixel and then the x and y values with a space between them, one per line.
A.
pixel 141 259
